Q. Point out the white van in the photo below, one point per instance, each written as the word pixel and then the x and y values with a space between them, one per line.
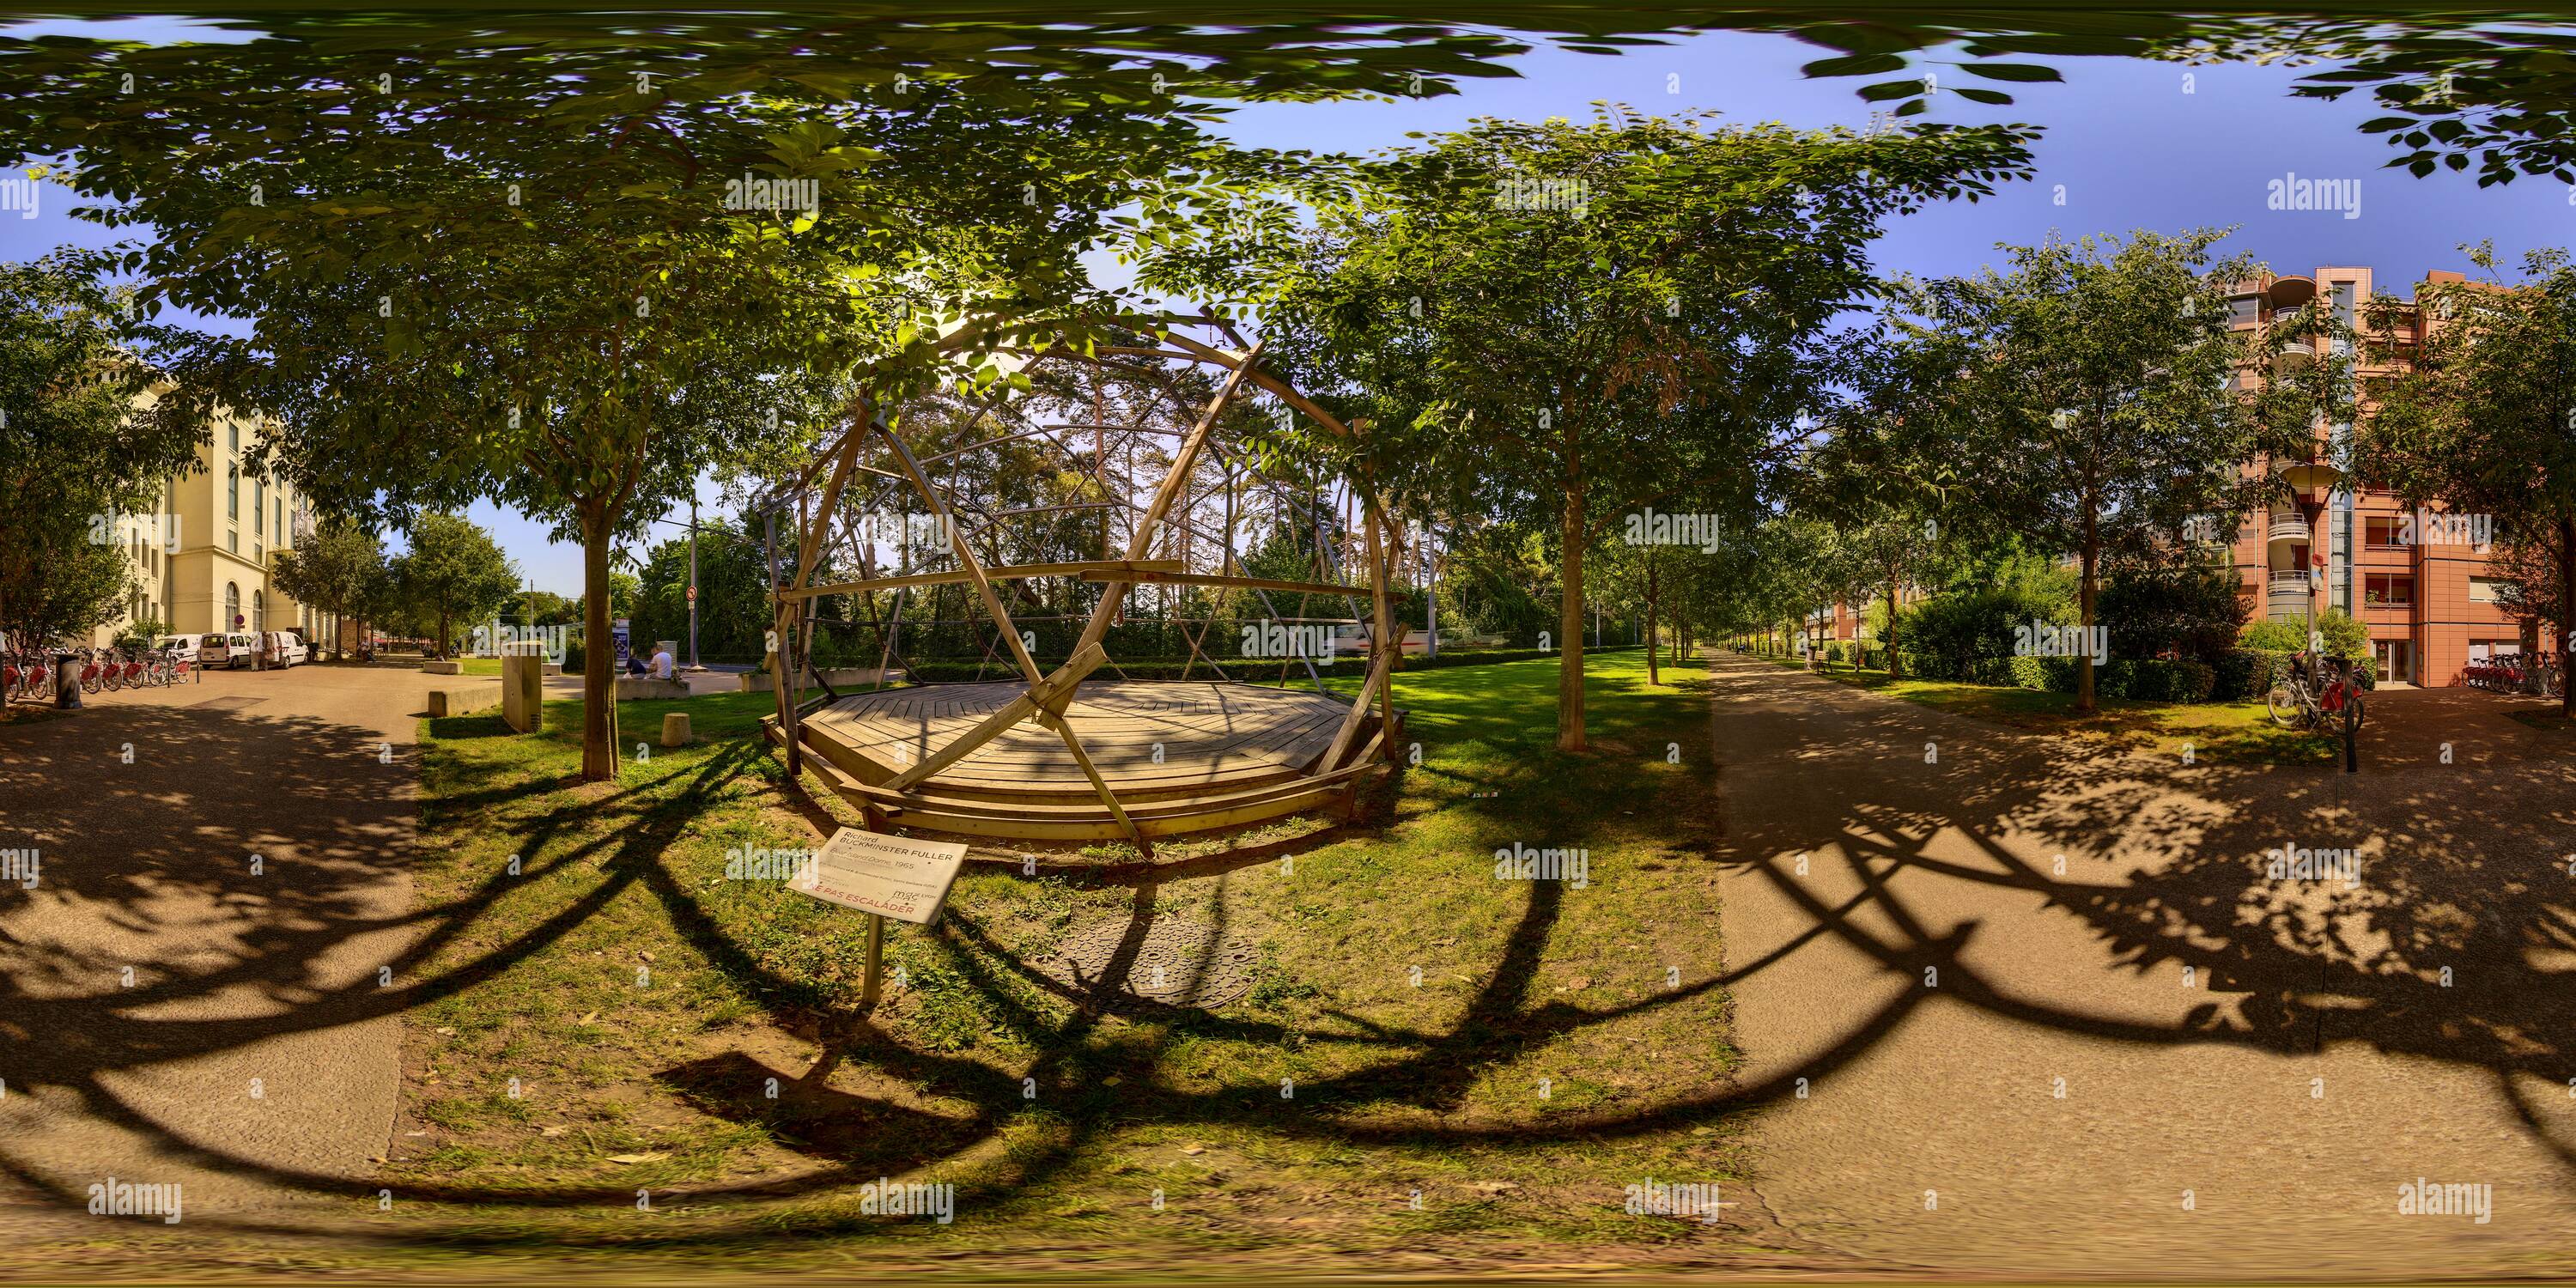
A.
pixel 182 647
pixel 285 649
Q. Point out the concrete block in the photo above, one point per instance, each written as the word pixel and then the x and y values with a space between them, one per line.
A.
pixel 443 668
pixel 462 699
pixel 631 688
pixel 675 729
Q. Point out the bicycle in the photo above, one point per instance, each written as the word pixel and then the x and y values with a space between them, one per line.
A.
pixel 2294 704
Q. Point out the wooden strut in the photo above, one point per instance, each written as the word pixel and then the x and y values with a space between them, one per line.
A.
pixel 1046 712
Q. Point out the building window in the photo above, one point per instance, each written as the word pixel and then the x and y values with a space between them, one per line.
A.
pixel 232 606
pixel 236 442
pixel 2244 310
pixel 2380 534
pixel 232 492
pixel 2486 590
pixel 258 506
pixel 2388 590
pixel 259 610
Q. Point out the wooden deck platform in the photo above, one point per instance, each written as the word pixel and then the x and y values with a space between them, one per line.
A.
pixel 1181 756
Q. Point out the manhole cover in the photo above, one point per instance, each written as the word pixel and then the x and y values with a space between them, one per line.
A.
pixel 1179 963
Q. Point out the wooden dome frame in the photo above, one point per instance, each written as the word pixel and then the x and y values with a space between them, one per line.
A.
pixel 914 795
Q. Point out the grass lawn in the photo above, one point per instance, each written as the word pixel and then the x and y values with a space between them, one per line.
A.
pixel 2216 732
pixel 481 665
pixel 1430 1059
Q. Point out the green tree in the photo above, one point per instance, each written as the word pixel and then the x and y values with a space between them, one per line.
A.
pixel 79 450
pixel 2088 383
pixel 1572 321
pixel 453 570
pixel 334 570
pixel 2485 421
pixel 569 282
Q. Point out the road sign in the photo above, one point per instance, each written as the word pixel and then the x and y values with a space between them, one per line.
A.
pixel 693 594
pixel 891 876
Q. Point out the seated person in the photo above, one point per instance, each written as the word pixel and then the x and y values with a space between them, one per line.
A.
pixel 634 664
pixel 662 664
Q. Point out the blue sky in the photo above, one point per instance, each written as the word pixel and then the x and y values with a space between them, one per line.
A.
pixel 2128 145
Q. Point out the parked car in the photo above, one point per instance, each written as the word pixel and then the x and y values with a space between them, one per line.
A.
pixel 284 649
pixel 182 647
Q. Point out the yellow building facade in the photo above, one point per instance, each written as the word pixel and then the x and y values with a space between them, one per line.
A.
pixel 201 564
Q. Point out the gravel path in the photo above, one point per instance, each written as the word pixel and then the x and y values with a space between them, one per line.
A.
pixel 168 1014
pixel 2158 1059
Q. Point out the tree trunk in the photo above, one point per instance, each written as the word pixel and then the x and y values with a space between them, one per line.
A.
pixel 2084 613
pixel 598 654
pixel 1653 641
pixel 1569 621
pixel 1895 670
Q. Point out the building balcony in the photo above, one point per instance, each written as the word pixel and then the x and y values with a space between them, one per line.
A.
pixel 2291 292
pixel 2287 529
pixel 2295 356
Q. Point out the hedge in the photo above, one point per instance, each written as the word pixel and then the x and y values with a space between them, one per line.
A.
pixel 2147 680
pixel 1244 668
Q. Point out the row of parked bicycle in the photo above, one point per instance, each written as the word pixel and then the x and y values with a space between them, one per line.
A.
pixel 172 659
pixel 99 670
pixel 2541 673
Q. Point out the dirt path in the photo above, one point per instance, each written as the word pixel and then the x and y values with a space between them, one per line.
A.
pixel 168 1014
pixel 1934 975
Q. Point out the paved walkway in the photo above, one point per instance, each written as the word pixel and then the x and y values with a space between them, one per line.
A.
pixel 2154 1058
pixel 166 1013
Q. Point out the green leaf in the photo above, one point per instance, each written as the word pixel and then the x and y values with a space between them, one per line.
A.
pixel 1854 65
pixel 1975 95
pixel 2025 72
pixel 1885 90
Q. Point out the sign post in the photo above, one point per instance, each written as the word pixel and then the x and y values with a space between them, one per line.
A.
pixel 883 876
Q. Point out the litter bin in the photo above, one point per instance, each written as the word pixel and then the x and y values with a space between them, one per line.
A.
pixel 66 682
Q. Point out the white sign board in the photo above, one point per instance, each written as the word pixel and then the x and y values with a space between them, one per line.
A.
pixel 891 876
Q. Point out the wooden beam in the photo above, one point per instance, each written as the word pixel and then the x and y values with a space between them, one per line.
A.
pixel 1002 572
pixel 1359 710
pixel 1182 461
pixel 1153 577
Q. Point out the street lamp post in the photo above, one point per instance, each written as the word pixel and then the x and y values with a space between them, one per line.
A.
pixel 693 584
